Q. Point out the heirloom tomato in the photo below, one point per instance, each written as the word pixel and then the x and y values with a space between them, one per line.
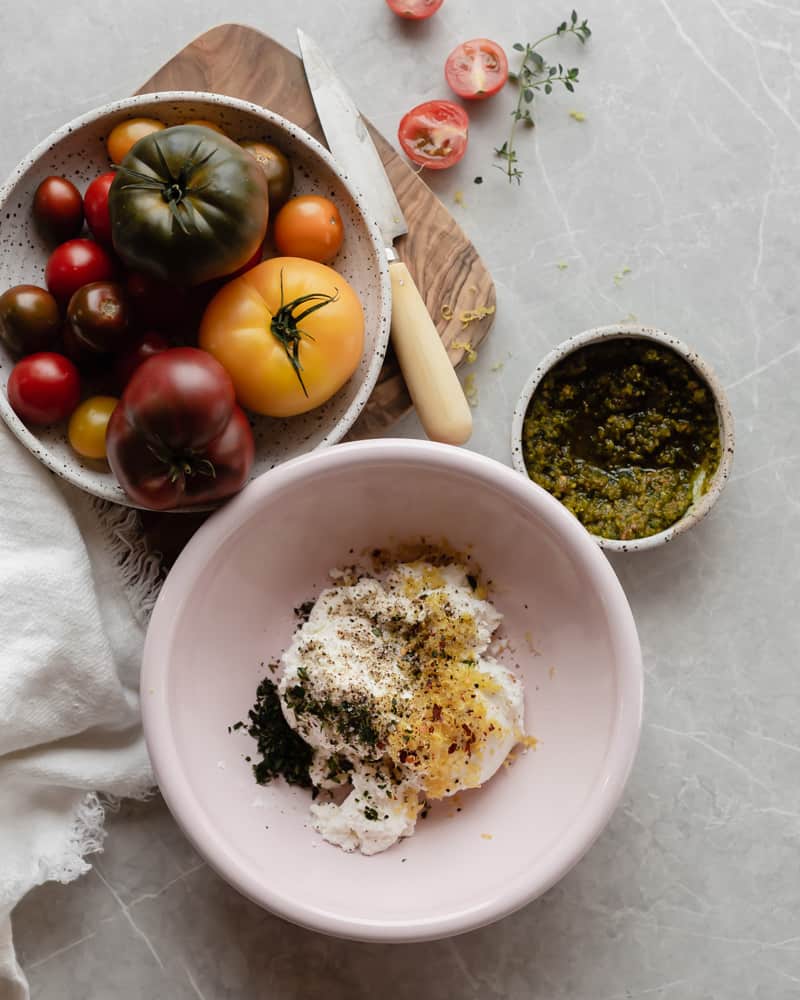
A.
pixel 290 333
pixel 188 205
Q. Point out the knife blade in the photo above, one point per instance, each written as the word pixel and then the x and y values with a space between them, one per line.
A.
pixel 431 379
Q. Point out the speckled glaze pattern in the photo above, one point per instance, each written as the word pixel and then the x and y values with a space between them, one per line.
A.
pixel 77 151
pixel 697 511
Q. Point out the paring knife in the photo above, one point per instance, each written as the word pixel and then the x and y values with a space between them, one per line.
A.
pixel 432 382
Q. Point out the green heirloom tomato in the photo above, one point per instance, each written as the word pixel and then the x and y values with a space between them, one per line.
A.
pixel 188 205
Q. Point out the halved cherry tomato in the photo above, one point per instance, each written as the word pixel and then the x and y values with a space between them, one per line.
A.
pixel 87 426
pixel 74 264
pixel 434 134
pixel 125 135
pixel 58 209
pixel 310 227
pixel 477 69
pixel 414 10
pixel 95 205
pixel 44 388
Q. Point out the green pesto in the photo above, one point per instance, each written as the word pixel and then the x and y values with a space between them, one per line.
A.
pixel 625 434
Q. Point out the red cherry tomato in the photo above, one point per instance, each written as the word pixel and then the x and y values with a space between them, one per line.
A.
pixel 58 209
pixel 95 205
pixel 434 134
pixel 145 347
pixel 414 10
pixel 44 388
pixel 74 264
pixel 477 69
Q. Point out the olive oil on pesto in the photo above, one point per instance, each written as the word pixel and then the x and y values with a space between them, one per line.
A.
pixel 625 434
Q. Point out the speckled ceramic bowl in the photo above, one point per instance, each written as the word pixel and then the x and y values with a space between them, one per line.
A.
pixel 698 510
pixel 226 610
pixel 77 151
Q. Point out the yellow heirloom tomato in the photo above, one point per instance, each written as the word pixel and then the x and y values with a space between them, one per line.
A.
pixel 289 332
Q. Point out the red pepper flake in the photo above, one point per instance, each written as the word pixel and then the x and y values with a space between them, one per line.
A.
pixel 452 748
pixel 437 712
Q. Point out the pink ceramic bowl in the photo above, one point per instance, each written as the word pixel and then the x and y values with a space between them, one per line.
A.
pixel 227 609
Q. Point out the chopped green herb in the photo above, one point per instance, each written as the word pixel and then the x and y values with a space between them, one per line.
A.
pixel 283 753
pixel 370 813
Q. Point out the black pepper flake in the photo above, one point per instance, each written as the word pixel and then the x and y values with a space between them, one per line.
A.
pixel 479 180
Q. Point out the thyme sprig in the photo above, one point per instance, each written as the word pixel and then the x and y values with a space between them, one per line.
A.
pixel 536 75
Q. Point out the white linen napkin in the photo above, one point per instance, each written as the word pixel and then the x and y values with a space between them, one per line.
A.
pixel 76 586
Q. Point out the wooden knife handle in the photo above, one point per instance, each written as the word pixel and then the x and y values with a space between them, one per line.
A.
pixel 430 377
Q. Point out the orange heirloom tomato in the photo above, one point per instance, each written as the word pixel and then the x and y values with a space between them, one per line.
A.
pixel 289 332
pixel 124 136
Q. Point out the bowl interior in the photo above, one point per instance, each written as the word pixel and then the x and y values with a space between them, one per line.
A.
pixel 78 153
pixel 226 611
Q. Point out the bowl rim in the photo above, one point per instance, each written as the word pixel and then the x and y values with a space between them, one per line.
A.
pixel 596 808
pixel 617 331
pixel 114 494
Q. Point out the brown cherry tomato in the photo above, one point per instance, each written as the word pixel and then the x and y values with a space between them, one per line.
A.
pixel 98 317
pixel 124 136
pixel 310 227
pixel 277 169
pixel 58 209
pixel 29 319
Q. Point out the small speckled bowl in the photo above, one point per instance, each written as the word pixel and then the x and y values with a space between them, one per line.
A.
pixel 77 151
pixel 698 510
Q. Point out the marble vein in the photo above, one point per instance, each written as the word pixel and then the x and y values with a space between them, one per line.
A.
pixel 763 368
pixel 127 914
pixel 718 76
pixel 696 738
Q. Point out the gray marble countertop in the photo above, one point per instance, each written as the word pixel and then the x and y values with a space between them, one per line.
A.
pixel 686 170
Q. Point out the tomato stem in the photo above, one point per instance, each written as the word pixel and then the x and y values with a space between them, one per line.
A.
pixel 185 464
pixel 285 327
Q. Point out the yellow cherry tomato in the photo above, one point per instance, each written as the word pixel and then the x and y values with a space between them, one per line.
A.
pixel 289 332
pixel 87 426
pixel 309 226
pixel 206 124
pixel 126 134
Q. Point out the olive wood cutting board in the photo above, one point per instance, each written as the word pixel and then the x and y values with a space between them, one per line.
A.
pixel 242 62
